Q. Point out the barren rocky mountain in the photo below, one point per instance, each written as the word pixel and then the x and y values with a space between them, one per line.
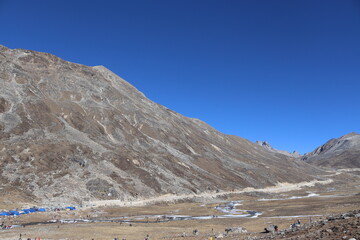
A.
pixel 71 133
pixel 343 152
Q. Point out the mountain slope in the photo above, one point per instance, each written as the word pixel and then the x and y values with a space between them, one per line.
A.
pixel 72 133
pixel 343 152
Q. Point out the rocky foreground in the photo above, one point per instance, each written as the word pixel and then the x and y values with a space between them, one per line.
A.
pixel 343 226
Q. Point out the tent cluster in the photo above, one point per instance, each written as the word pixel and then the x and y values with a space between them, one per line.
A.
pixel 32 210
pixel 22 211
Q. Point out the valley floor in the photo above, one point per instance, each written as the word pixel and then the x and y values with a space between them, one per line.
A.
pixel 254 210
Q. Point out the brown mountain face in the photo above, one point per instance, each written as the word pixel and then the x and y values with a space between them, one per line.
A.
pixel 343 152
pixel 72 133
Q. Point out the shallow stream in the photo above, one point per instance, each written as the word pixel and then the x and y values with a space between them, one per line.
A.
pixel 229 209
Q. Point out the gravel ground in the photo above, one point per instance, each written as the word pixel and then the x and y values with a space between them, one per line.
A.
pixel 344 226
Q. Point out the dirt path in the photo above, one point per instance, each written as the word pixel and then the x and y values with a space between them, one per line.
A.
pixel 280 187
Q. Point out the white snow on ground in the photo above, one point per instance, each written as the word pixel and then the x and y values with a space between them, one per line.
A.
pixel 340 171
pixel 293 197
pixel 348 170
pixel 232 212
pixel 230 208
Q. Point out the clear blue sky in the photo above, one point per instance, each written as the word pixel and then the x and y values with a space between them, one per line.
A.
pixel 284 71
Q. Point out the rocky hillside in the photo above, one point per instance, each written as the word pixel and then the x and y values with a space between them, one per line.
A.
pixel 343 152
pixel 72 133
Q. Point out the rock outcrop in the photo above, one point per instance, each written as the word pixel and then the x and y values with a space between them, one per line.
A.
pixel 266 145
pixel 71 133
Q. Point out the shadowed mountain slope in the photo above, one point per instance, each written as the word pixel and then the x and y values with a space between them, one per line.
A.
pixel 343 152
pixel 72 133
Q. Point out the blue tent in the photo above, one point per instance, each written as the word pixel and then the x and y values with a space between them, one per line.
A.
pixel 14 213
pixel 70 208
pixel 26 211
pixel 34 209
pixel 42 210
pixel 4 214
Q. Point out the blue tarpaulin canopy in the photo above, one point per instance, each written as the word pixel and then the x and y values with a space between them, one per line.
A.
pixel 4 214
pixel 14 213
pixel 26 210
